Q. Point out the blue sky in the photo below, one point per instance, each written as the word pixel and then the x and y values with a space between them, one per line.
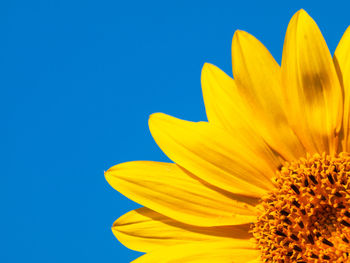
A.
pixel 78 82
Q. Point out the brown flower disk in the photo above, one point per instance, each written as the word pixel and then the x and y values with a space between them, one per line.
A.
pixel 307 217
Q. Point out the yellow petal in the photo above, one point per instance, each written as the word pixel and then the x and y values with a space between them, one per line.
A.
pixel 258 77
pixel 169 190
pixel 206 252
pixel 145 230
pixel 342 63
pixel 223 104
pixel 232 163
pixel 313 94
pixel 256 260
pixel 227 108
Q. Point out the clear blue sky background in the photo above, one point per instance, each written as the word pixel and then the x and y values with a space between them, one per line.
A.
pixel 78 82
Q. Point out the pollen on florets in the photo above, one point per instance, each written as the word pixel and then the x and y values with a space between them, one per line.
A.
pixel 307 217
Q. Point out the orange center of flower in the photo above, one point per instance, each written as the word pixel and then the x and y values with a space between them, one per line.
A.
pixel 307 217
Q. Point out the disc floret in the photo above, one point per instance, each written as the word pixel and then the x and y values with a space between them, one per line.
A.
pixel 307 217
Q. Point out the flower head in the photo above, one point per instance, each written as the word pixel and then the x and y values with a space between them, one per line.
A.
pixel 266 179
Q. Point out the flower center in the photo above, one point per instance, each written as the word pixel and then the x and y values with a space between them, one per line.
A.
pixel 307 217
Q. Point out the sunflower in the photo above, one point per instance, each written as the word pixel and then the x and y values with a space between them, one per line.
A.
pixel 266 179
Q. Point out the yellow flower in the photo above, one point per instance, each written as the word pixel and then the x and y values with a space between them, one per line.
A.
pixel 267 178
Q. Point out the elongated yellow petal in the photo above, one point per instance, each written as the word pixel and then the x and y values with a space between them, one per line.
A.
pixel 145 230
pixel 258 78
pixel 342 62
pixel 256 260
pixel 169 190
pixel 208 252
pixel 223 104
pixel 313 92
pixel 231 163
pixel 227 108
